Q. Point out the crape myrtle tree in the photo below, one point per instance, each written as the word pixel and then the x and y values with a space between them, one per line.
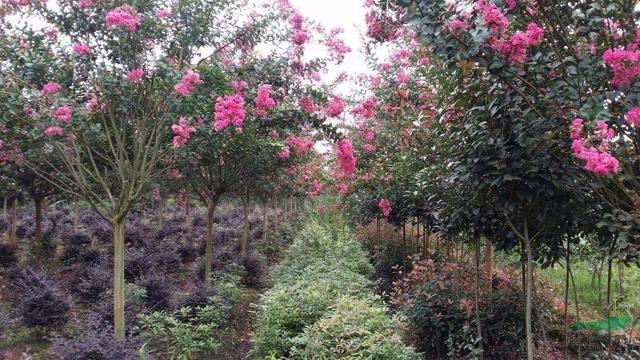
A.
pixel 103 82
pixel 245 123
pixel 525 71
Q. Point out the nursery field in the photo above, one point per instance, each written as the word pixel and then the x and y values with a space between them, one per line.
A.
pixel 319 180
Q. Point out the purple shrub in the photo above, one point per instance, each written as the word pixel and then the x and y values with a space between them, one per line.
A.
pixel 8 256
pixel 4 225
pixel 96 343
pixel 76 239
pixel 188 253
pixel 92 283
pixel 159 290
pixel 38 301
pixel 137 234
pixel 196 294
pixel 136 264
pixel 254 269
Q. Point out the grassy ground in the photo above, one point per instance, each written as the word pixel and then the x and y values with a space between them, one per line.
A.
pixel 591 289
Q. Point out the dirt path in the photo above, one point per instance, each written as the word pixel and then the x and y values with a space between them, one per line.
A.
pixel 236 336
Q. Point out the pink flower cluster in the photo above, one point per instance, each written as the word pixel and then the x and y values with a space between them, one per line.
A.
pixel 343 189
pixel 135 75
pixel 123 16
pixel 52 131
pixel 301 145
pixel 264 101
pixel 239 86
pixel 188 83
pixel 335 106
pixel 284 153
pixel 229 110
pixel 633 117
pixel 492 17
pixel 514 49
pixel 598 159
pixel 381 27
pixel 162 13
pixel 307 105
pixel 182 132
pixel 51 88
pixel 81 49
pixel 345 157
pixel 385 206
pixel 625 65
pixel 316 188
pixel 64 113
pixel 300 35
pixel 337 47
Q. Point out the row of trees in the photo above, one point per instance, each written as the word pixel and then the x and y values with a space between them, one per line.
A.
pixel 509 121
pixel 111 102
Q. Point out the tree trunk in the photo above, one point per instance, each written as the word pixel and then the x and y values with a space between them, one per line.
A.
pixel 39 246
pixel 163 207
pixel 276 220
pixel 14 223
pixel 528 304
pixel 245 235
pixel 609 271
pixel 620 278
pixel 575 295
pixel 284 208
pixel 477 298
pixel 118 278
pixel 208 249
pixel 488 262
pixel 76 215
pixel 566 303
pixel 265 221
pixel 187 214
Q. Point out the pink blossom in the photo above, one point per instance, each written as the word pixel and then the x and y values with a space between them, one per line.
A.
pixel 576 128
pixel 188 83
pixel 264 101
pixel 123 16
pixel 274 134
pixel 343 189
pixel 51 88
pixel 345 157
pixel 53 130
pixel 633 116
pixel 337 47
pixel 492 17
pixel 370 148
pixel 239 86
pixel 92 104
pixel 597 161
pixel 135 75
pixel 316 188
pixel 385 206
pixel 81 49
pixel 511 4
pixel 84 4
pixel 174 174
pixel 229 110
pixel 514 49
pixel 182 132
pixel 534 34
pixel 335 106
pixel 307 105
pixel 625 65
pixel 296 20
pixel 301 145
pixel 163 13
pixel 402 77
pixel 64 113
pixel 300 37
pixel 284 153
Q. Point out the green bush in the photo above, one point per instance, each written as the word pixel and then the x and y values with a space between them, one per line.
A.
pixel 354 329
pixel 323 264
pixel 183 334
pixel 288 308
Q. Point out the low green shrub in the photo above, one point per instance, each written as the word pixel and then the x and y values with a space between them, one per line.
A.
pixel 323 265
pixel 287 309
pixel 354 329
